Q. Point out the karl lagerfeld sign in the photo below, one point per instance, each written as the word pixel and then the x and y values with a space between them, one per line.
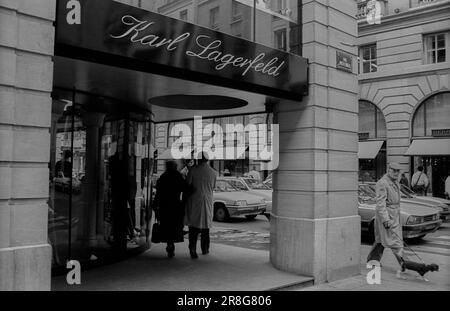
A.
pixel 122 35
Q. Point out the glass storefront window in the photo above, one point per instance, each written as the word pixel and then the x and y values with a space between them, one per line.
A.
pixel 99 196
pixel 432 115
pixel 371 121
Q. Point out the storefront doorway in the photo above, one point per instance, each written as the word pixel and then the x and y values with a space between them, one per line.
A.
pixel 110 90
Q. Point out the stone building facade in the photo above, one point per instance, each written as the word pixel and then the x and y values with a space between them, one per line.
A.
pixel 315 229
pixel 407 69
pixel 26 82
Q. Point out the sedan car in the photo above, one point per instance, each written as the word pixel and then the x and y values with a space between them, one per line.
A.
pixel 442 208
pixel 230 201
pixel 417 220
pixel 255 187
pixel 442 204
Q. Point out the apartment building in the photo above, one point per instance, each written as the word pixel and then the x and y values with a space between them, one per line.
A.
pixel 404 79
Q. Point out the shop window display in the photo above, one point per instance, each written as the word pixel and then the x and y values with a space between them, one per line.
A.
pixel 433 116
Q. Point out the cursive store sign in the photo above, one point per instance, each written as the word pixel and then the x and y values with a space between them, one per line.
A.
pixel 122 35
pixel 207 48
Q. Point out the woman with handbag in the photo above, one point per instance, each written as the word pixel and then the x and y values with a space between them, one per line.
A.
pixel 169 208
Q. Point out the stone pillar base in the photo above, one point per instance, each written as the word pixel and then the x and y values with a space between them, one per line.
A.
pixel 26 268
pixel 327 249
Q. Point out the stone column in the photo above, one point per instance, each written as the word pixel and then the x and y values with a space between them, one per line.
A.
pixel 315 228
pixel 93 122
pixel 26 79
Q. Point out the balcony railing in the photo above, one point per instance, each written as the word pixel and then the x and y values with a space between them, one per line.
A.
pixel 364 8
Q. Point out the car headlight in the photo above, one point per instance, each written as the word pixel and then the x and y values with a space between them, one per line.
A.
pixel 241 203
pixel 413 220
pixel 444 207
pixel 264 201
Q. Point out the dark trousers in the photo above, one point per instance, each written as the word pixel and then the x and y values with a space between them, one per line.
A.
pixel 193 237
pixel 377 252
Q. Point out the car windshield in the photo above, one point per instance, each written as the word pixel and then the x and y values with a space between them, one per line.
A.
pixel 256 185
pixel 224 186
pixel 366 194
pixel 238 184
pixel 406 192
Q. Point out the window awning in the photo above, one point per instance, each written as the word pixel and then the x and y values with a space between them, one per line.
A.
pixel 368 150
pixel 429 147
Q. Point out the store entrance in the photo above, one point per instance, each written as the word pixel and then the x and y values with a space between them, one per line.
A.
pixel 103 152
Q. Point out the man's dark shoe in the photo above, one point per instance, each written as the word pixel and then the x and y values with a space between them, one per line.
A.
pixel 205 252
pixel 194 255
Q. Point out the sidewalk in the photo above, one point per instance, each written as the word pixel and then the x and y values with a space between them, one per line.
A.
pixel 439 281
pixel 230 268
pixel 226 268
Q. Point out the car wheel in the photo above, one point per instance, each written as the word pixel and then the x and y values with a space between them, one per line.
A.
pixel 251 217
pixel 221 213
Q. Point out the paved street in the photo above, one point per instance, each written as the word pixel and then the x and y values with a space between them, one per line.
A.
pixel 433 248
pixel 254 234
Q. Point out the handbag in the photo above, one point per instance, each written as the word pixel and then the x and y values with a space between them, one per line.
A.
pixel 156 233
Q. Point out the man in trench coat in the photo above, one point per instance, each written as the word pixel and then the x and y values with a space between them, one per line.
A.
pixel 387 226
pixel 199 206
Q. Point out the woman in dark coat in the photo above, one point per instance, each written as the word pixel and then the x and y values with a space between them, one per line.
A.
pixel 169 207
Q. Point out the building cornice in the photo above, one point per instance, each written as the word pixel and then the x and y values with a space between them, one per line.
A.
pixel 431 12
pixel 421 70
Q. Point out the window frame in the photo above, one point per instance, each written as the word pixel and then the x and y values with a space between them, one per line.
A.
pixel 435 49
pixel 184 12
pixel 371 60
pixel 214 24
pixel 275 39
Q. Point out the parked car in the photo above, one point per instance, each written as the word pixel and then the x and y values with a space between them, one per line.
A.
pixel 268 181
pixel 408 198
pixel 230 201
pixel 417 220
pixel 442 204
pixel 255 187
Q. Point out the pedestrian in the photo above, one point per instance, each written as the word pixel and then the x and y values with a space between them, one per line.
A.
pixel 387 226
pixel 199 208
pixel 254 174
pixel 447 186
pixel 63 167
pixel 419 182
pixel 187 165
pixel 404 180
pixel 169 207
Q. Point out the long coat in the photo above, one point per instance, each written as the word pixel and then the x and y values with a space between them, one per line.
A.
pixel 169 206
pixel 388 209
pixel 199 205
